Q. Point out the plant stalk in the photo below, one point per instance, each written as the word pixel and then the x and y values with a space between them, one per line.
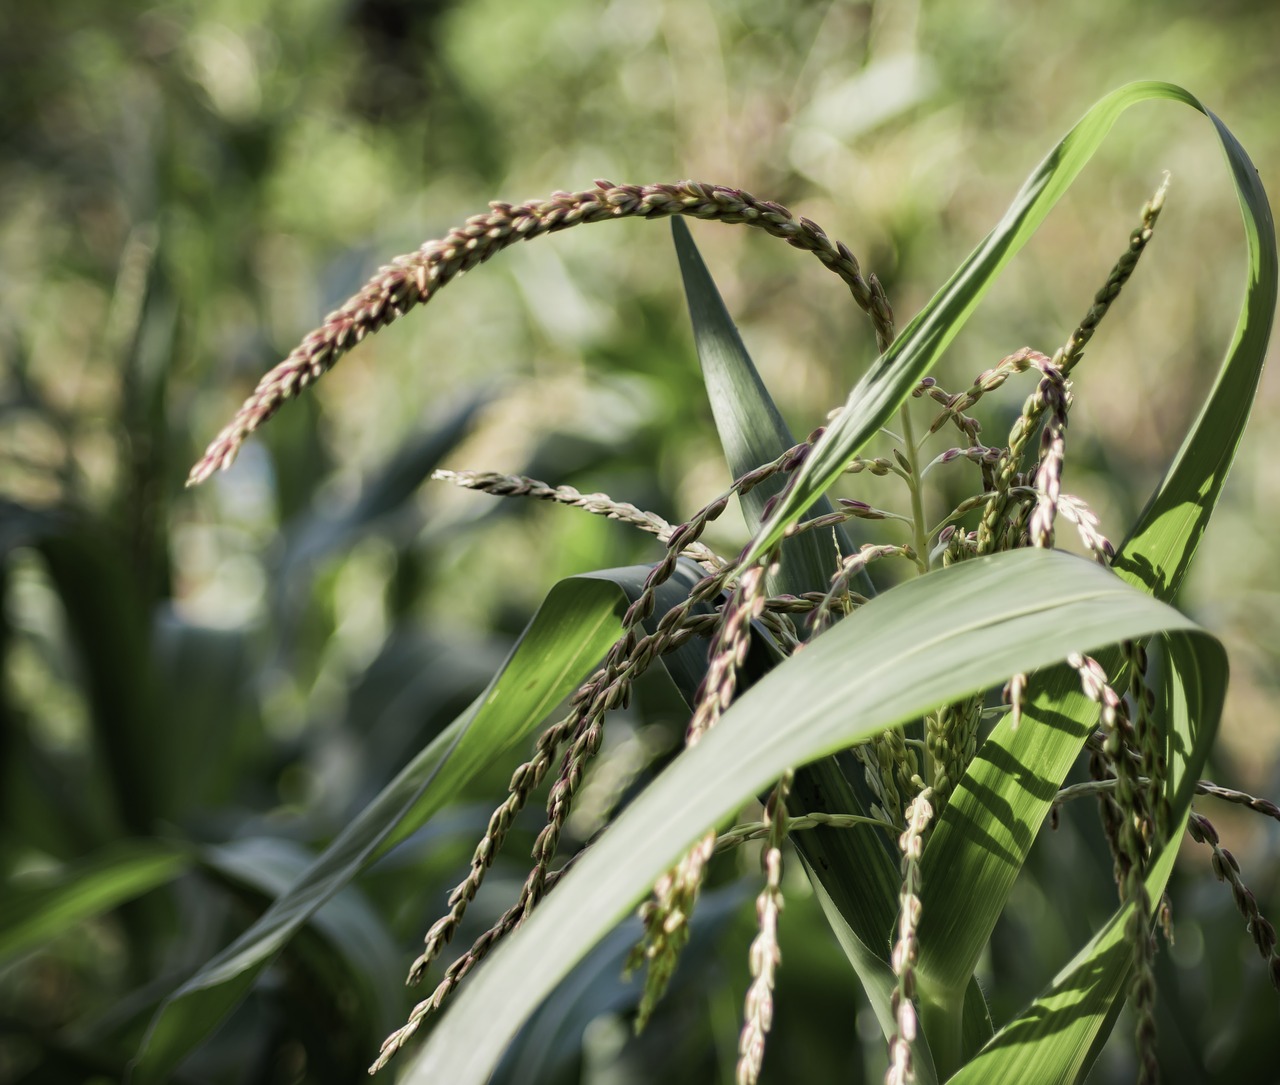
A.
pixel 919 539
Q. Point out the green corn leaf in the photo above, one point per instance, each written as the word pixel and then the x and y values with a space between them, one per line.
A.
pixel 357 959
pixel 550 1044
pixel 36 910
pixel 574 627
pixel 383 494
pixel 1159 550
pixel 926 643
pixel 97 591
pixel 888 382
pixel 1058 1035
pixel 966 880
pixel 856 874
pixel 750 426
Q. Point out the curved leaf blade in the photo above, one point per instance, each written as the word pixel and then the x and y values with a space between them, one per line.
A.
pixel 1163 541
pixel 889 380
pixel 966 879
pixel 574 627
pixel 1057 1036
pixel 1017 611
pixel 34 912
pixel 358 941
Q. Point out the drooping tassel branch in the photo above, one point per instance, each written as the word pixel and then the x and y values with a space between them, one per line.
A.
pixel 414 279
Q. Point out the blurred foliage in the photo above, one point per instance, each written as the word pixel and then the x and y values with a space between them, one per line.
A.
pixel 225 676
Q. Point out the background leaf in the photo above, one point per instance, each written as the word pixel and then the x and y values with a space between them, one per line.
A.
pixel 571 631
pixel 38 910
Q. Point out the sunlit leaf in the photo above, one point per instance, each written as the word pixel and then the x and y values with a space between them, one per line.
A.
pixel 888 382
pixel 857 875
pixel 995 813
pixel 1055 1038
pixel 926 643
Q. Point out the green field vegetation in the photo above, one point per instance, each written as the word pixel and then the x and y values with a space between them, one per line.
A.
pixel 205 689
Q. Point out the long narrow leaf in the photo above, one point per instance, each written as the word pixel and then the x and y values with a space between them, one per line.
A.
pixel 966 879
pixel 888 382
pixel 354 935
pixel 858 877
pixel 577 622
pixel 95 587
pixel 750 426
pixel 35 912
pixel 1054 1039
pixel 926 643
pixel 1163 541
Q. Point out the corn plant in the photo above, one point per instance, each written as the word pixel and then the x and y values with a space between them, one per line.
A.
pixel 866 725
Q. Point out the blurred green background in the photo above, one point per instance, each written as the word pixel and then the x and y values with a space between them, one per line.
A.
pixel 186 189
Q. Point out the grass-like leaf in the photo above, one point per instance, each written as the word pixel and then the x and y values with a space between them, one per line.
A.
pixel 36 911
pixel 94 585
pixel 360 963
pixel 383 494
pixel 1056 1037
pixel 925 643
pixel 750 426
pixel 1003 796
pixel 857 875
pixel 888 382
pixel 573 628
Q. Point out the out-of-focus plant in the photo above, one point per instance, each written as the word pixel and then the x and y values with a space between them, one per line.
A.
pixel 864 725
